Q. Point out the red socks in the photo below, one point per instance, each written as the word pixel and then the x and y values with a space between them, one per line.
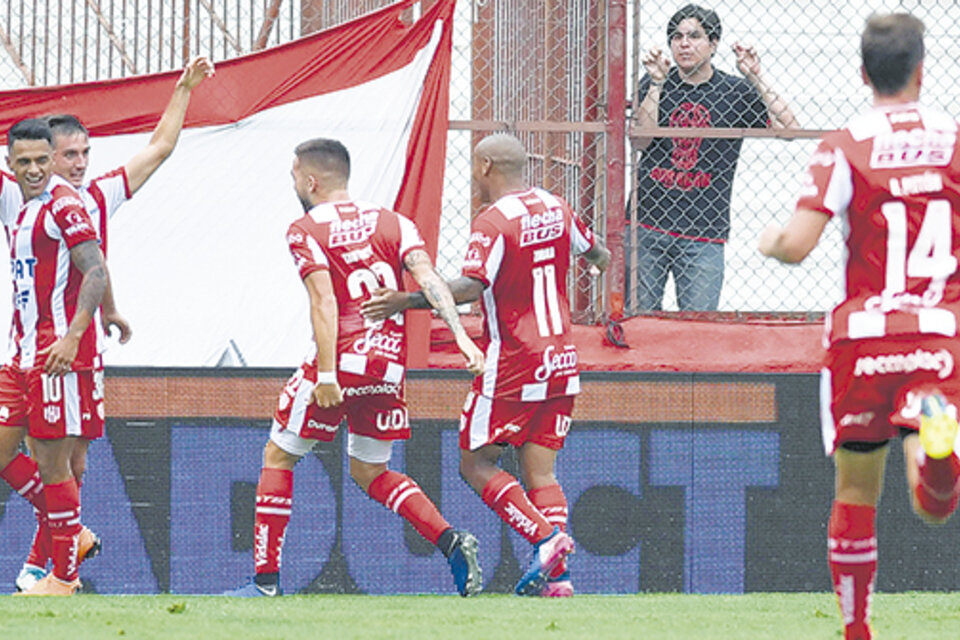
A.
pixel 551 502
pixel 274 505
pixel 852 555
pixel 506 497
pixel 402 495
pixel 939 487
pixel 63 513
pixel 23 476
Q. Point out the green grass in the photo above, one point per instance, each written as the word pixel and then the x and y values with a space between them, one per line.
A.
pixel 776 616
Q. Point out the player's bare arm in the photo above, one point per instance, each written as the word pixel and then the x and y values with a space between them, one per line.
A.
pixel 323 317
pixel 793 242
pixel 86 257
pixel 437 293
pixel 598 255
pixel 110 317
pixel 142 165
pixel 386 302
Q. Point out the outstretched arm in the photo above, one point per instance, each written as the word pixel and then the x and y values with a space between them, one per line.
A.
pixel 141 166
pixel 438 295
pixel 86 257
pixel 323 319
pixel 598 255
pixel 386 302
pixel 792 243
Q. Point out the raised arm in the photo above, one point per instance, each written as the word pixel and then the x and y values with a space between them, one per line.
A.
pixel 142 165
pixel 88 260
pixel 646 114
pixel 748 62
pixel 438 295
pixel 323 319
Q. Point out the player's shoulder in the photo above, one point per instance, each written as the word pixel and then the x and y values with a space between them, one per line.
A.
pixel 63 194
pixel 896 120
pixel 114 174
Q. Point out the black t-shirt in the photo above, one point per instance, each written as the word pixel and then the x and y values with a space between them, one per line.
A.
pixel 685 183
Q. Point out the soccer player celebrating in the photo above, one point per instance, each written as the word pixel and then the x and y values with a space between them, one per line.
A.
pixel 344 250
pixel 58 281
pixel 102 197
pixel 894 171
pixel 516 264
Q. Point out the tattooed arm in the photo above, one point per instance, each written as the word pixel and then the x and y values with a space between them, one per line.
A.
pixel 436 292
pixel 86 257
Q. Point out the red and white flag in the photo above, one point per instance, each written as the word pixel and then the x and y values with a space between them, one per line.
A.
pixel 198 257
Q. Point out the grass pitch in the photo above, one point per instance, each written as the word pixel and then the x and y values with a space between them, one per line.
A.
pixel 776 616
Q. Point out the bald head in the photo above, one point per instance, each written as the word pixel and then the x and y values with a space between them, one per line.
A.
pixel 504 152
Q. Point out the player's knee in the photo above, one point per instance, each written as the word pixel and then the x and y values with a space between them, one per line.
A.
pixel 364 473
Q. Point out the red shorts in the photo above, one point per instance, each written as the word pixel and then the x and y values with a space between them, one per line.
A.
pixel 373 408
pixel 13 397
pixel 52 406
pixel 496 421
pixel 869 389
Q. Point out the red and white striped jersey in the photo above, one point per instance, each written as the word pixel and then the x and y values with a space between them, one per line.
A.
pixel 520 248
pixel 101 196
pixel 11 199
pixel 363 246
pixel 895 171
pixel 45 282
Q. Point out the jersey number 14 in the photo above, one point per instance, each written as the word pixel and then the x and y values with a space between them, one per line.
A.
pixel 932 253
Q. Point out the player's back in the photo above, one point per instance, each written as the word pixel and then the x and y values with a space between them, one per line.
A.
pixel 521 248
pixel 896 172
pixel 363 246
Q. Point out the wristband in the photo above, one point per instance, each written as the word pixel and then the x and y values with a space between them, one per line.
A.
pixel 326 377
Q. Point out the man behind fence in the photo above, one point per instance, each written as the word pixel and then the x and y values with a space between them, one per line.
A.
pixel 894 171
pixel 685 184
pixel 345 249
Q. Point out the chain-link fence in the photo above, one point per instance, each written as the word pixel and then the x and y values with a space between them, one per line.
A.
pixel 809 58
pixel 550 71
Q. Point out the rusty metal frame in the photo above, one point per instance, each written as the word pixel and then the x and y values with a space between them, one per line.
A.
pixel 117 43
pixel 15 56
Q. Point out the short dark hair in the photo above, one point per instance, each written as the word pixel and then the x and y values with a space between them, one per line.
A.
pixel 327 154
pixel 891 47
pixel 65 124
pixel 29 129
pixel 707 18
